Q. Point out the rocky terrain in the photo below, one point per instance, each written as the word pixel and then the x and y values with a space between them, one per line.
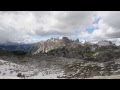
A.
pixel 61 59
pixel 10 70
pixel 62 68
pixel 50 44
pixel 90 69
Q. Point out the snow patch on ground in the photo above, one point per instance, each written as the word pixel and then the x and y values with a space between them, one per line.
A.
pixel 9 70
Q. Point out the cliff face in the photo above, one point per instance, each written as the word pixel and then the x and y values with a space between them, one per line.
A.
pixel 52 43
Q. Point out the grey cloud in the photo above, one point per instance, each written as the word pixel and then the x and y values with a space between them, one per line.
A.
pixel 21 25
pixel 111 19
pixel 114 35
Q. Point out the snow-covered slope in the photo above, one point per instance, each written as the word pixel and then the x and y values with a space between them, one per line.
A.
pixel 9 70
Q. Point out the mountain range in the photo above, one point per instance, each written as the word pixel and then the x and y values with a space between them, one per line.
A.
pixel 74 58
pixel 50 44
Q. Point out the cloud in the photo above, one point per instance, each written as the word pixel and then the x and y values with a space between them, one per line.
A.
pixel 107 27
pixel 109 24
pixel 24 25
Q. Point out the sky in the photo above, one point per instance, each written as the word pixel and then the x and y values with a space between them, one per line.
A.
pixel 34 26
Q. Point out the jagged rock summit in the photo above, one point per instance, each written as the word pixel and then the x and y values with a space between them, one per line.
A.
pixel 105 43
pixel 52 43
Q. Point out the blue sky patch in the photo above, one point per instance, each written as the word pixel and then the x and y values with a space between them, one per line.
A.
pixel 90 30
pixel 94 25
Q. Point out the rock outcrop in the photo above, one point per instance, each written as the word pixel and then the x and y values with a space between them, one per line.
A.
pixel 52 43
pixel 105 43
pixel 90 69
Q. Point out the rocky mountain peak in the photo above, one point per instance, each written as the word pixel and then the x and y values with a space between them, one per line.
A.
pixel 53 43
pixel 105 43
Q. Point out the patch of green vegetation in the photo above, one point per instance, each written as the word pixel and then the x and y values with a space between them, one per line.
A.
pixel 3 52
pixel 17 53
